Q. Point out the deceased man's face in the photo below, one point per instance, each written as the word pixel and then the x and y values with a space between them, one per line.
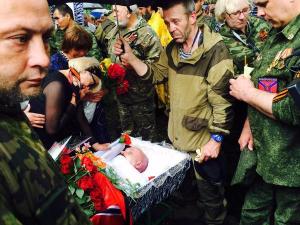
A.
pixel 136 158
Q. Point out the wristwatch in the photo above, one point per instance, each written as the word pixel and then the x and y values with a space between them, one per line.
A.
pixel 217 137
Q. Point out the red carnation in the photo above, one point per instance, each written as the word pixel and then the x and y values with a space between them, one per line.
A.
pixel 123 87
pixel 116 71
pixel 66 164
pixel 127 140
pixel 88 164
pixel 85 183
pixel 97 198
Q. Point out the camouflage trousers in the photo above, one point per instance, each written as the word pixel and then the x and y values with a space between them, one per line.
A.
pixel 139 120
pixel 271 204
pixel 198 201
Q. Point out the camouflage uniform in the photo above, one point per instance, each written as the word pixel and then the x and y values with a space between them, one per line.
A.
pixel 57 37
pixel 276 141
pixel 199 105
pixel 32 190
pixel 136 107
pixel 248 46
pixel 101 32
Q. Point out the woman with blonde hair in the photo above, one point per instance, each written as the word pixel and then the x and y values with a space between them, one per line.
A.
pixel 244 35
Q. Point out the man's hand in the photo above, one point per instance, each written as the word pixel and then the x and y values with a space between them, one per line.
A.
pixel 124 51
pixel 211 150
pixel 100 147
pixel 241 87
pixel 36 120
pixel 246 138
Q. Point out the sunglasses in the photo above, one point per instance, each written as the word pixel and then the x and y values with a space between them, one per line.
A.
pixel 91 86
pixel 76 74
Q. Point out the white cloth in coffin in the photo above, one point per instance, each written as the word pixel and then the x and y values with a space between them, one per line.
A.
pixel 161 159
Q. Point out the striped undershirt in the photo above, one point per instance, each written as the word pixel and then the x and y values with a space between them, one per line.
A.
pixel 186 55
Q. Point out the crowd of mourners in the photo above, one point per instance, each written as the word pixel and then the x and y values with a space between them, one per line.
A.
pixel 217 71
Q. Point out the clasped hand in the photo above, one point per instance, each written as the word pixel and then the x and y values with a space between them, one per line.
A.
pixel 241 87
pixel 124 51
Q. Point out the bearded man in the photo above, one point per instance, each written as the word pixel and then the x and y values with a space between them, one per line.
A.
pixel 198 67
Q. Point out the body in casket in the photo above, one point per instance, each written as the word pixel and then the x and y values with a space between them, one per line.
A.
pixel 164 174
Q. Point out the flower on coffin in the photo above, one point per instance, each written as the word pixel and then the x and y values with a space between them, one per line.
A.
pixel 125 139
pixel 93 185
pixel 151 177
pixel 66 164
pixel 85 183
pixel 97 198
pixel 81 172
pixel 88 164
pixel 96 161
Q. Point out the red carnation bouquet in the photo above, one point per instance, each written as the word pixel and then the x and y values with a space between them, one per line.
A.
pixel 117 72
pixel 92 184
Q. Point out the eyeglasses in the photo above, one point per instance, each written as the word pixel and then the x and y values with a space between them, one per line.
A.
pixel 94 82
pixel 244 11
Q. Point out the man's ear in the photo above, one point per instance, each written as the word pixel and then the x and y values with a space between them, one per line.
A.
pixel 193 18
pixel 68 16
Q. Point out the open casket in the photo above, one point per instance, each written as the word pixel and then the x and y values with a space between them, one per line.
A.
pixel 165 172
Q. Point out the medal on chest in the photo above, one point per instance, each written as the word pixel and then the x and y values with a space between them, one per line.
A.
pixel 278 61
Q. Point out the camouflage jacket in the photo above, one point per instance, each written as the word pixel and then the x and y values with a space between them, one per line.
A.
pixel 101 32
pixel 198 87
pixel 146 46
pixel 244 47
pixel 203 18
pixel 32 190
pixel 57 37
pixel 276 141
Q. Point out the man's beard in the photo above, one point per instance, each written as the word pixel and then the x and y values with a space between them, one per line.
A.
pixel 12 95
pixel 123 23
pixel 147 16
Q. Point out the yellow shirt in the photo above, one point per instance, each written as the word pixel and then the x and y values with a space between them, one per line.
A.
pixel 158 25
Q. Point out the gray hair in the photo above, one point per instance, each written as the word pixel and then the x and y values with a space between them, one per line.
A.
pixel 189 5
pixel 228 6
